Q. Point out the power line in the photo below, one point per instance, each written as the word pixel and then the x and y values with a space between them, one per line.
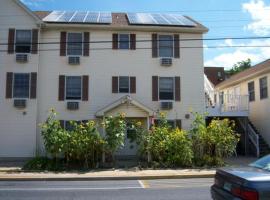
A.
pixel 182 47
pixel 147 40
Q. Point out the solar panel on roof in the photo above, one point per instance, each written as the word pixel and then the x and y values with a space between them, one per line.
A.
pixel 79 17
pixel 159 19
pixel 65 17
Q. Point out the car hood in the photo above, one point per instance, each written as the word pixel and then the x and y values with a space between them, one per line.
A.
pixel 249 173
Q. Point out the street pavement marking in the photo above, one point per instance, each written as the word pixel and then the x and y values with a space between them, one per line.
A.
pixel 59 189
pixel 144 183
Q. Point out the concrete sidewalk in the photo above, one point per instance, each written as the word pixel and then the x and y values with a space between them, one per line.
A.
pixel 131 174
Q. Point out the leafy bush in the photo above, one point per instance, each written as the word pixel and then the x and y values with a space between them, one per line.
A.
pixel 115 133
pixel 43 163
pixel 169 147
pixel 212 143
pixel 55 137
pixel 84 143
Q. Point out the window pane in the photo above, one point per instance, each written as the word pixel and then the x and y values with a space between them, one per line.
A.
pixel 124 41
pixel 251 91
pixel 23 41
pixel 21 86
pixel 165 46
pixel 263 88
pixel 124 84
pixel 74 44
pixel 73 87
pixel 166 89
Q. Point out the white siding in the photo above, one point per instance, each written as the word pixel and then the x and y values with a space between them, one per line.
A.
pixel 17 131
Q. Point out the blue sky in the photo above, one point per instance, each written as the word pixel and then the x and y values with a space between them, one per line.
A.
pixel 224 18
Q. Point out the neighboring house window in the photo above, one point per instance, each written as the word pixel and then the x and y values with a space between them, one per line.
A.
pixel 166 88
pixel 251 91
pixel 74 44
pixel 124 41
pixel 165 46
pixel 123 84
pixel 73 87
pixel 23 41
pixel 263 88
pixel 21 85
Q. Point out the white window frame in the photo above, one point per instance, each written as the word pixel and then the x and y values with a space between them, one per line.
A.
pixel 66 88
pixel 15 40
pixel 119 40
pixel 169 34
pixel 168 100
pixel 67 44
pixel 128 85
pixel 29 89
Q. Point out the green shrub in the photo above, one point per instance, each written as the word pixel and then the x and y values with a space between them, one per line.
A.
pixel 55 137
pixel 169 147
pixel 43 163
pixel 115 133
pixel 212 143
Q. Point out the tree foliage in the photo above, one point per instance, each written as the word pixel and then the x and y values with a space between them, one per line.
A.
pixel 239 67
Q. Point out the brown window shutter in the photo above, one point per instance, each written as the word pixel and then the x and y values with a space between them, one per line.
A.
pixel 154 88
pixel 63 43
pixel 11 40
pixel 86 43
pixel 114 84
pixel 34 48
pixel 178 123
pixel 85 94
pixel 177 88
pixel 61 89
pixel 33 86
pixel 9 88
pixel 133 41
pixel 115 41
pixel 176 46
pixel 62 123
pixel 154 45
pixel 132 84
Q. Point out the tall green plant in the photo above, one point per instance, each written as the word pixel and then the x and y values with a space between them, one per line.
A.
pixel 55 138
pixel 115 128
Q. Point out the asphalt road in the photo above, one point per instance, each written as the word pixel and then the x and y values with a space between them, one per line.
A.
pixel 171 189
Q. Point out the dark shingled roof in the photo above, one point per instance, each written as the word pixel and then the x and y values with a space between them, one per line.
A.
pixel 246 74
pixel 42 14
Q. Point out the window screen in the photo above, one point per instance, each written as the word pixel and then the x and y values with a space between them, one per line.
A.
pixel 166 46
pixel 123 84
pixel 166 88
pixel 263 88
pixel 74 44
pixel 23 41
pixel 251 91
pixel 73 87
pixel 21 85
pixel 123 41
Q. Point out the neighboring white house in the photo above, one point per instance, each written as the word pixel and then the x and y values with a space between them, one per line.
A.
pixel 253 84
pixel 90 65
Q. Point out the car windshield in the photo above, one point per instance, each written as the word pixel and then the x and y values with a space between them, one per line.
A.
pixel 263 163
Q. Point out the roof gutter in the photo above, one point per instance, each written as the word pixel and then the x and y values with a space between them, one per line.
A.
pixel 125 28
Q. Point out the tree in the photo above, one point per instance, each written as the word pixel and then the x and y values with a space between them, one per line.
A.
pixel 239 67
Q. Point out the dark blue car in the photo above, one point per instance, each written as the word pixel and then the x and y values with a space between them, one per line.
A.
pixel 246 183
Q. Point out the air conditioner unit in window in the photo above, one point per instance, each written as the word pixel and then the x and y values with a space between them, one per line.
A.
pixel 166 105
pixel 166 62
pixel 74 60
pixel 22 58
pixel 72 105
pixel 20 103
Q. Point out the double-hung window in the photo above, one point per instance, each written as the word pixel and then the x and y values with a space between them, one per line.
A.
pixel 165 46
pixel 166 88
pixel 73 87
pixel 124 84
pixel 74 44
pixel 23 41
pixel 21 85
pixel 124 41
pixel 263 88
pixel 251 91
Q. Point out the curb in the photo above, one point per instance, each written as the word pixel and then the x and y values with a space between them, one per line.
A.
pixel 104 178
